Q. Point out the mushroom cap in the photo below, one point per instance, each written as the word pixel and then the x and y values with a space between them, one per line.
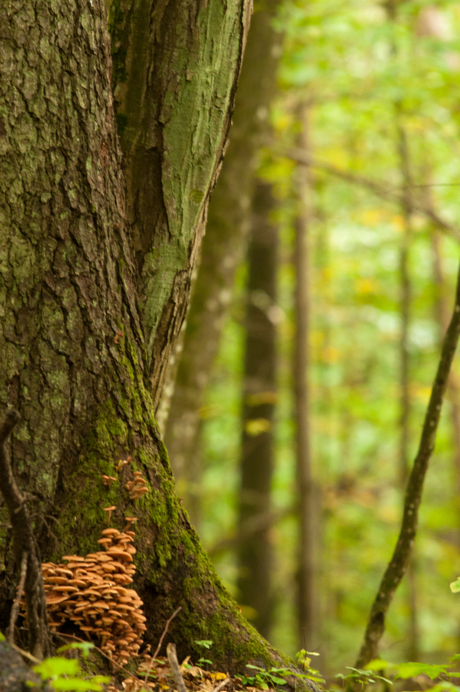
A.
pixel 103 557
pixel 54 598
pixel 57 580
pixel 110 532
pixel 100 604
pixel 77 582
pixel 109 509
pixel 64 570
pixel 74 558
pixel 114 613
pixel 90 593
pixel 116 552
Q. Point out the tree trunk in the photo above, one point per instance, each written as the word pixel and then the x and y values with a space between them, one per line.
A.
pixel 175 68
pixel 225 241
pixel 77 293
pixel 306 568
pixel 259 392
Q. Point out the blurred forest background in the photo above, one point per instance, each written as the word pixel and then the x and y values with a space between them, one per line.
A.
pixel 326 283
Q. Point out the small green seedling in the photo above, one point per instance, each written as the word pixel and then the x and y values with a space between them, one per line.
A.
pixel 360 677
pixel 66 675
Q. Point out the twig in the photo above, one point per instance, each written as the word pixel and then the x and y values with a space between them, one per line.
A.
pixel 399 561
pixel 175 669
pixel 15 608
pixel 221 685
pixel 168 622
pixel 26 654
pixel 302 157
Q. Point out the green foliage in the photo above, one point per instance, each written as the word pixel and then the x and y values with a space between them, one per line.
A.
pixel 355 66
pixel 303 658
pixel 206 643
pixel 357 676
pixel 263 679
pixel 66 674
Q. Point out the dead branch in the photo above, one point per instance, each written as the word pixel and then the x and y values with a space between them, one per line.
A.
pixel 399 561
pixel 17 601
pixel 175 668
pixel 157 650
pixel 24 542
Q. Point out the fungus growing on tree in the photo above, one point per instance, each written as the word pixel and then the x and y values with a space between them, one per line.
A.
pixel 109 511
pixel 108 480
pixel 90 592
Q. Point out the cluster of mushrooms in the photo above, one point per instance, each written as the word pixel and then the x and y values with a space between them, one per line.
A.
pixel 92 592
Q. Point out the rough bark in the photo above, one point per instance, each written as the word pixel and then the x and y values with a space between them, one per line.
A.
pixel 225 240
pixel 75 362
pixel 259 399
pixel 176 66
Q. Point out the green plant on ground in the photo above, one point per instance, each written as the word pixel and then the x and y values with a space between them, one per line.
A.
pixel 66 674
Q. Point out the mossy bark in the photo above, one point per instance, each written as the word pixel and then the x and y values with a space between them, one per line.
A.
pixel 225 242
pixel 177 65
pixel 75 361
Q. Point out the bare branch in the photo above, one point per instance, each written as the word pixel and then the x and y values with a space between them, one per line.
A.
pixel 157 650
pixel 399 561
pixel 378 188
pixel 15 608
pixel 24 542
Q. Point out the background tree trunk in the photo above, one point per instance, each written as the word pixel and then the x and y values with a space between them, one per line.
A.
pixel 259 399
pixel 225 242
pixel 306 597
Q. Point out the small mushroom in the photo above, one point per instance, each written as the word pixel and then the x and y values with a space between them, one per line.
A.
pixel 121 554
pixel 108 480
pixel 105 541
pixel 110 532
pixel 129 522
pixel 109 511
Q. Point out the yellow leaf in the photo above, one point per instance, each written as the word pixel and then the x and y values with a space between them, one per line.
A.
pixel 398 223
pixel 256 426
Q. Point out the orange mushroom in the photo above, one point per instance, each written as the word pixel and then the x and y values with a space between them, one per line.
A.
pixel 109 511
